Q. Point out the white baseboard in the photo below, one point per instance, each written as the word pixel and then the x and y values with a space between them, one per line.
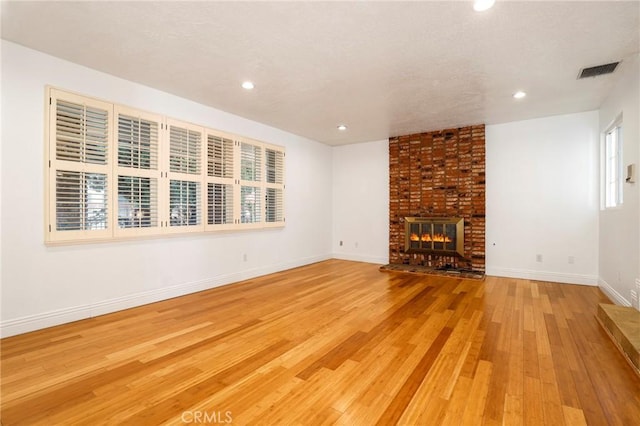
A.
pixel 616 297
pixel 557 277
pixel 28 323
pixel 361 258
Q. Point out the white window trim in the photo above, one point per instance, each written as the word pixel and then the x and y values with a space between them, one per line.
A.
pixel 618 181
pixel 162 174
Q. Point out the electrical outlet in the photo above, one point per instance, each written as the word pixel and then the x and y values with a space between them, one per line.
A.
pixel 571 260
pixel 538 258
pixel 244 257
pixel 340 243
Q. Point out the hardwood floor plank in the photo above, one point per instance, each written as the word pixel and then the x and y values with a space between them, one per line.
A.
pixel 573 416
pixel 474 411
pixel 335 342
pixel 458 401
pixel 513 410
pixel 336 356
pixel 406 393
pixel 533 411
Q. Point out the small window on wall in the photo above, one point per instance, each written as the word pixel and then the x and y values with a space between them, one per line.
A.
pixel 613 166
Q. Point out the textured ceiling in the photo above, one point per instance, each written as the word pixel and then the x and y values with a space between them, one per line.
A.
pixel 382 68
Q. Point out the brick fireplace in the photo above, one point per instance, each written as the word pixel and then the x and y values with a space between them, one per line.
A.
pixel 438 176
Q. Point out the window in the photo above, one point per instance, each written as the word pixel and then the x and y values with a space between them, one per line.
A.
pixel 117 172
pixel 185 177
pixel 274 186
pixel 138 172
pixel 220 180
pixel 613 166
pixel 79 168
pixel 250 177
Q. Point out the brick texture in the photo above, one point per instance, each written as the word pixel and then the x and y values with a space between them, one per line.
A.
pixel 438 174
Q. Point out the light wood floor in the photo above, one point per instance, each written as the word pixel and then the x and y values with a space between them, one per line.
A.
pixel 332 343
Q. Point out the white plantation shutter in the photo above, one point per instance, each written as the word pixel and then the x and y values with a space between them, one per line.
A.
pixel 137 202
pixel 220 204
pixel 274 186
pixel 138 175
pixel 185 150
pixel 184 203
pixel 220 179
pixel 274 205
pixel 82 132
pixel 274 165
pixel 79 165
pixel 251 185
pixel 186 177
pixel 220 154
pixel 81 201
pixel 250 162
pixel 137 140
pixel 250 204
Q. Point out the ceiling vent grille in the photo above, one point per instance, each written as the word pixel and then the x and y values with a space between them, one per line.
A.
pixel 598 70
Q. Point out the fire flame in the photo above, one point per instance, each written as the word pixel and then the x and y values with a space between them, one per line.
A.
pixel 437 238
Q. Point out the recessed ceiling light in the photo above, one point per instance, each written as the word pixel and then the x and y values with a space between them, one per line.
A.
pixel 482 5
pixel 519 94
pixel 342 127
pixel 248 85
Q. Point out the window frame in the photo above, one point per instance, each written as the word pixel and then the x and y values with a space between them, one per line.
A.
pixel 185 177
pixel 278 185
pixel 257 183
pixel 162 174
pixel 139 173
pixel 223 180
pixel 53 165
pixel 613 166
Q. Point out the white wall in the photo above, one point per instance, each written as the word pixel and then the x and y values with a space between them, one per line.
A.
pixel 620 227
pixel 542 198
pixel 1 258
pixel 43 286
pixel 361 202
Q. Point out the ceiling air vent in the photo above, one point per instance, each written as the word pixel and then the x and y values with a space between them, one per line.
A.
pixel 598 70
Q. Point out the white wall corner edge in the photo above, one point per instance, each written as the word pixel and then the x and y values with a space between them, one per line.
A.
pixel 612 293
pixel 557 277
pixel 29 323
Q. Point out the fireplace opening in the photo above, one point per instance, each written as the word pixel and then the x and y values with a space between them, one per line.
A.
pixel 434 235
